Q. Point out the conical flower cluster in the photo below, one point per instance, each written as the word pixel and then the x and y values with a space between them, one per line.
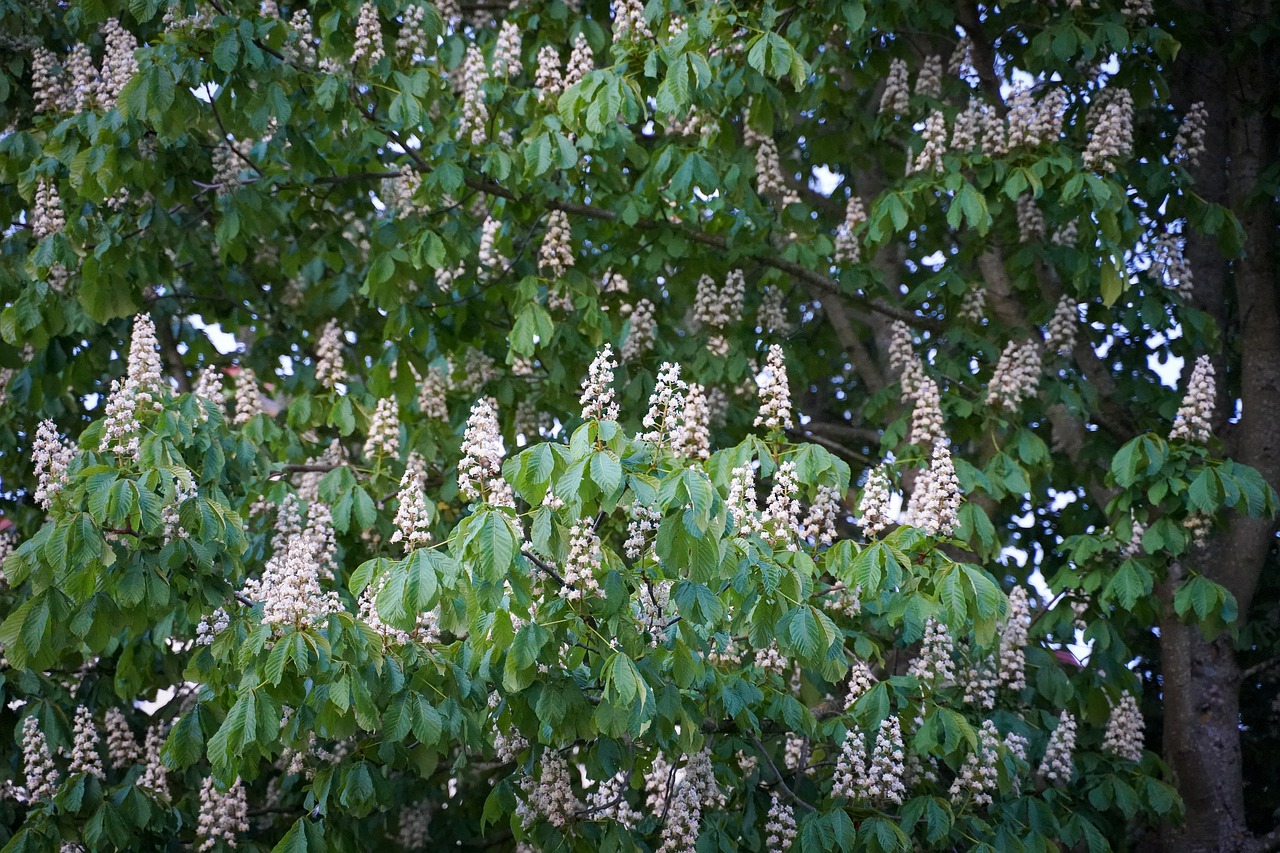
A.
pixel 155 778
pixel 780 520
pixel 887 767
pixel 851 768
pixel 1124 729
pixel 977 778
pixel 118 63
pixel 368 39
pixel 1188 145
pixel 432 394
pixel 926 417
pixel 139 391
pixel 1057 766
pixel 581 62
pixel 551 797
pixel 598 401
pixel 290 585
pixel 248 397
pixel 1194 420
pixel 555 255
pixel 1013 640
pixel 935 145
pixel 384 430
pixel 413 516
pixel 1017 375
pixel 628 21
pixel 820 524
pixel 1061 337
pixel 774 391
pixel 475 114
pixel 84 745
pixel 934 663
pixel 122 747
pixel 480 471
pixel 580 565
pixel 934 506
pixel 40 773
pixel 896 99
pixel 412 43
pixel 209 387
pixel 548 82
pixel 874 508
pixel 47 217
pixel 506 51
pixel 848 244
pixel 329 369
pixel 1111 134
pixel 51 455
pixel 780 827
pixel 666 406
pixel 223 815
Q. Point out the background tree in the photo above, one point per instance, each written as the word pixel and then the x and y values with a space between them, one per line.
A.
pixel 652 425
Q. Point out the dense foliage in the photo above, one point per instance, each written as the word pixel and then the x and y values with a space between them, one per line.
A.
pixel 647 423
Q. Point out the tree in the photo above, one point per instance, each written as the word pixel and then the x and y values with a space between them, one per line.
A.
pixel 652 425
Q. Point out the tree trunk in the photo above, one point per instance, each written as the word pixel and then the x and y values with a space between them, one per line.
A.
pixel 1201 677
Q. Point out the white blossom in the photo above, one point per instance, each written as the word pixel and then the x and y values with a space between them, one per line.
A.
pixel 774 391
pixel 551 797
pixel 506 51
pixel 581 62
pixel 935 500
pixel 780 827
pixel 580 565
pixel 1031 227
pixel 741 500
pixel 926 417
pixel 1194 420
pixel 368 38
pixel 973 306
pixel 384 430
pixel 85 757
pixel 555 255
pixel 628 21
pixel 896 99
pixel 1063 326
pixel 934 664
pixel 874 507
pixel 51 455
pixel 848 244
pixel 432 392
pixel 609 803
pixel 548 82
pixel 248 397
pixel 1124 729
pixel 1016 377
pixel 820 524
pixel 935 145
pixel 1013 640
pixel 780 520
pixel 666 406
pixel 41 776
pixel 155 777
pixel 978 777
pixel 329 369
pixel 46 83
pixel 412 44
pixel 1188 144
pixel 598 401
pixel 223 815
pixel 475 113
pixel 118 62
pixel 850 775
pixel 886 769
pixel 861 679
pixel 929 80
pixel 1111 130
pixel 1057 766
pixel 47 217
pixel 480 471
pixel 413 515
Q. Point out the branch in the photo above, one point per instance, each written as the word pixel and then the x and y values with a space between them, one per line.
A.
pixel 781 782
pixel 541 565
pixel 626 783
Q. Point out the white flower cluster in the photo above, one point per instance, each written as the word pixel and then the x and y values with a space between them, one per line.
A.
pixel 475 113
pixel 84 745
pixel 861 679
pixel 489 259
pixel 771 180
pixel 415 819
pixel 46 88
pixel 771 316
pixel 50 456
pixel 874 507
pixel 654 608
pixel 506 51
pixel 850 775
pixel 896 99
pixel 1198 525
pixel 122 747
pixel 223 815
pixel 820 524
pixel 41 775
pixel 1188 144
pixel 781 517
pixel 1169 262
pixel 1031 227
pixel 1017 375
pixel 210 626
pixel 413 515
pixel 580 564
pixel 329 369
pixel 1124 729
pixel 848 245
pixel 1194 420
pixel 885 772
pixel 926 417
pixel 929 80
pixel 581 62
pixel 934 506
pixel 774 391
pixel 184 489
pixel 1111 131
pixel 368 40
pixel 118 63
pixel 384 430
pixel 719 307
pixel 478 369
pixel 935 145
pixel 978 776
pixel 289 588
pixel 933 664
pixel 1013 640
pixel 666 406
pixel 555 255
pixel 609 802
pixel 628 21
pixel 1061 337
pixel 47 217
pixel 547 79
pixel 302 49
pixel 412 45
pixel 1057 766
pixel 995 138
pixel 155 778
pixel 209 387
pixel 432 394
pixel 691 438
pixel 139 390
pixel 598 401
pixel 978 682
pixel 83 87
pixel 741 500
pixel 973 306
pixel 248 397
pixel 684 821
pixel 780 827
pixel 480 471
pixel 551 797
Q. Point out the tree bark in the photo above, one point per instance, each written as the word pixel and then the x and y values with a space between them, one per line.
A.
pixel 1201 677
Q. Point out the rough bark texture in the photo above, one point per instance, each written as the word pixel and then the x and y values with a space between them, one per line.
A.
pixel 1201 677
